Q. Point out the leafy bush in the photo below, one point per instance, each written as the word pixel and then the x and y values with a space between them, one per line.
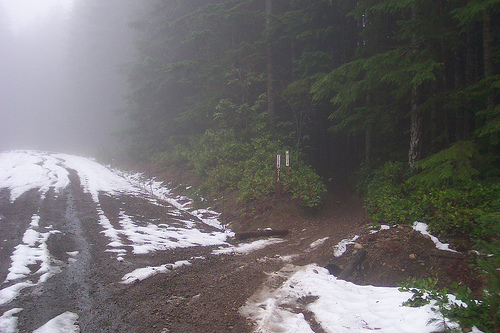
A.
pixel 305 185
pixel 482 312
pixel 464 211
pixel 215 148
pixel 463 207
pixel 225 161
pixel 258 171
pixel 387 195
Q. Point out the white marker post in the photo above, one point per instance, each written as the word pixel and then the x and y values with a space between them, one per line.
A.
pixel 277 187
pixel 287 162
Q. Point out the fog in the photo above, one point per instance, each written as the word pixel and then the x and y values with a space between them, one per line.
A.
pixel 61 86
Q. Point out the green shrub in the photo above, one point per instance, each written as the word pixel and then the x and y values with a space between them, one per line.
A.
pixel 387 195
pixel 305 185
pixel 257 179
pixel 482 312
pixel 215 148
pixel 465 211
pixel 469 208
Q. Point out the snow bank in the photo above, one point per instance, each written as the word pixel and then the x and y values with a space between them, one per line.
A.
pixel 146 272
pixel 64 323
pixel 341 247
pixel 246 248
pixel 422 228
pixel 337 305
pixel 8 322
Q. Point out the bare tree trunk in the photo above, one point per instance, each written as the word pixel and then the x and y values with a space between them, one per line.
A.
pixel 269 59
pixel 368 134
pixel 414 153
pixel 488 61
pixel 470 75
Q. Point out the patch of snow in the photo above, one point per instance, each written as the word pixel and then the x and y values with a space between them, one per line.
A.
pixel 32 251
pixel 318 242
pixel 66 322
pixel 8 322
pixel 422 228
pixel 26 170
pixel 382 227
pixel 146 272
pixel 9 293
pixel 152 237
pixel 341 247
pixel 337 305
pixel 23 171
pixel 246 248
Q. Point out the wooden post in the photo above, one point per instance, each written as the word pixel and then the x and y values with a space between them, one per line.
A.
pixel 277 186
pixel 287 162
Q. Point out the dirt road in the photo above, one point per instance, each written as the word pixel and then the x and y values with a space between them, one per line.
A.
pixel 110 258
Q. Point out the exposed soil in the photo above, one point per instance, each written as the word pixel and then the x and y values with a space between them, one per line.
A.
pixel 207 296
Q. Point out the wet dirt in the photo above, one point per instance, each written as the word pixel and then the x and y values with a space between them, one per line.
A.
pixel 207 295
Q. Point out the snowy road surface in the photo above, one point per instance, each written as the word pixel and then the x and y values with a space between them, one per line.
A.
pixel 70 226
pixel 76 238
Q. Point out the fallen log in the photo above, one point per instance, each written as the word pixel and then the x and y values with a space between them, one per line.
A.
pixel 356 261
pixel 260 233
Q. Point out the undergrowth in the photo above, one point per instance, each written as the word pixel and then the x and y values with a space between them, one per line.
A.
pixel 482 311
pixel 226 161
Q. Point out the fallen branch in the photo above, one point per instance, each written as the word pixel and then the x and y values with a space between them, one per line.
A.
pixel 356 261
pixel 260 233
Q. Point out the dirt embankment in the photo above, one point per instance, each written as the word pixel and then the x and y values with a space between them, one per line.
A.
pixel 207 295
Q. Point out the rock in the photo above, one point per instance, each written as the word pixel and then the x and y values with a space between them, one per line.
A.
pixel 413 256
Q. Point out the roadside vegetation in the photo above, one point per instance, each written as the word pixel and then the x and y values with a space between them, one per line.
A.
pixel 402 96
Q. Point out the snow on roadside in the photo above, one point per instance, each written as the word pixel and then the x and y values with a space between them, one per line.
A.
pixel 32 251
pixel 66 322
pixel 23 171
pixel 8 321
pixel 422 228
pixel 245 248
pixel 9 293
pixel 341 247
pixel 382 227
pixel 26 170
pixel 146 272
pixel 318 242
pixel 337 305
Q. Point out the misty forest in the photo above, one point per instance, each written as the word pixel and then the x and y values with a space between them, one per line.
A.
pixel 401 98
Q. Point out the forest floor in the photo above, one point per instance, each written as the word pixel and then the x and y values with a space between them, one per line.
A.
pixel 207 295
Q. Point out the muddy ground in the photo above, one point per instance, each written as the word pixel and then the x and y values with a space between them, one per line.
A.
pixel 207 295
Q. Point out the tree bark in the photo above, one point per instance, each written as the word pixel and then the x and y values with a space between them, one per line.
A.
pixel 414 153
pixel 488 62
pixel 269 62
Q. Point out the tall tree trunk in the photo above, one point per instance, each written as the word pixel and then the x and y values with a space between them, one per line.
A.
pixel 368 134
pixel 414 153
pixel 269 60
pixel 368 143
pixel 457 86
pixel 488 63
pixel 470 75
pixel 416 127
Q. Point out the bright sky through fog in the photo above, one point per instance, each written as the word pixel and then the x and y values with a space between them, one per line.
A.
pixel 24 14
